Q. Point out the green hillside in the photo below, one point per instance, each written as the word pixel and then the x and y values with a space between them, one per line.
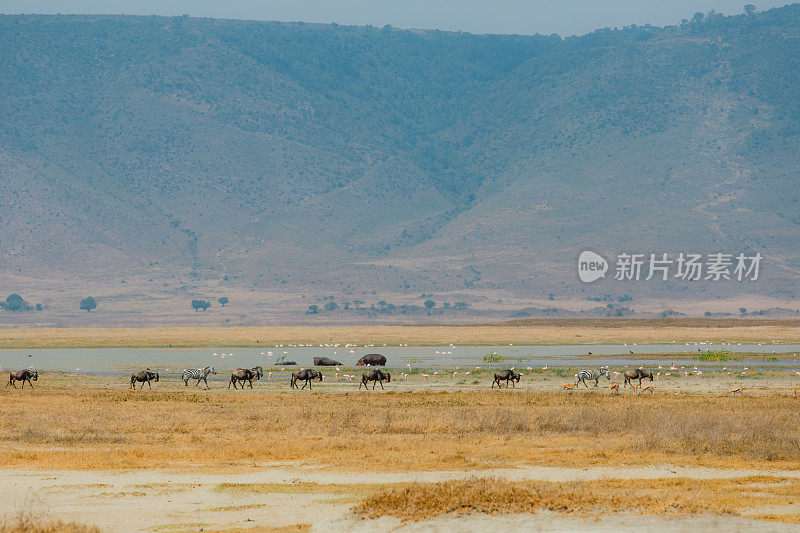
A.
pixel 180 153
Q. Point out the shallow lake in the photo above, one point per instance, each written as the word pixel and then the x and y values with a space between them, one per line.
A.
pixel 118 360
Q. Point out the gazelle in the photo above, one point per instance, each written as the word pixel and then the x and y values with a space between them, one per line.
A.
pixel 794 393
pixel 734 390
pixel 636 388
pixel 614 388
pixel 646 388
pixel 569 387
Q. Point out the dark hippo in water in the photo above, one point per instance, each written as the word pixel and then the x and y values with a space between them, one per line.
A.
pixel 325 361
pixel 372 359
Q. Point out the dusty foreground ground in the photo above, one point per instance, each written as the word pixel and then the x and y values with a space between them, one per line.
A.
pixel 430 453
pixel 551 331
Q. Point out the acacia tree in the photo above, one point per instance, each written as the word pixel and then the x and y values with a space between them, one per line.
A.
pixel 200 304
pixel 223 301
pixel 88 304
pixel 15 303
pixel 429 304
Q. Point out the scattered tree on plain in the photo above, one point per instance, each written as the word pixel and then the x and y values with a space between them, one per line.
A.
pixel 15 303
pixel 223 301
pixel 200 304
pixel 88 304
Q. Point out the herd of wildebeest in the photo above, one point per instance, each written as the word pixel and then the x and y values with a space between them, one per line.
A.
pixel 242 376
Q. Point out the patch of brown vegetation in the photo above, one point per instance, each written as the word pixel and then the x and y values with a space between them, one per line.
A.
pixel 421 501
pixel 105 428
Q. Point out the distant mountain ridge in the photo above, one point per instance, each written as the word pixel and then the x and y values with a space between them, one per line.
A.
pixel 180 153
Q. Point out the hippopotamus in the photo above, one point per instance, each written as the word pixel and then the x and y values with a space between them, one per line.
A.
pixel 325 361
pixel 372 359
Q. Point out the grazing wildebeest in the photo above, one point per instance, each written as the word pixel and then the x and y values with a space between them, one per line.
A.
pixel 375 375
pixel 508 376
pixel 23 376
pixel 306 375
pixel 143 376
pixel 593 374
pixel 246 374
pixel 372 359
pixel 636 374
pixel 325 361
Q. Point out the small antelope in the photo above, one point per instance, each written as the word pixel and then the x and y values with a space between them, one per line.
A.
pixel 636 388
pixel 646 388
pixel 734 390
pixel 794 393
pixel 568 387
pixel 614 387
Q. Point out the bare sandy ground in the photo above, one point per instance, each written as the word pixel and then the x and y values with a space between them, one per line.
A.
pixel 546 521
pixel 156 500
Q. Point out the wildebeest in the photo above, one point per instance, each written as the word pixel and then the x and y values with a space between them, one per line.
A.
pixel 23 376
pixel 375 375
pixel 306 375
pixel 245 374
pixel 372 359
pixel 325 361
pixel 508 376
pixel 143 376
pixel 636 374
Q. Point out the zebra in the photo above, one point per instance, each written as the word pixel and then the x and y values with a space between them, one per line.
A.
pixel 200 374
pixel 593 374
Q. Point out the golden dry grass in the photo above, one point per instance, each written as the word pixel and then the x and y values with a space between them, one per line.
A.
pixel 103 428
pixel 421 501
pixel 526 332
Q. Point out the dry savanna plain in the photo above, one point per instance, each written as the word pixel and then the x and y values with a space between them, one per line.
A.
pixel 431 451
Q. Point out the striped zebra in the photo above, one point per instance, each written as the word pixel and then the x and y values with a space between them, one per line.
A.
pixel 200 374
pixel 593 374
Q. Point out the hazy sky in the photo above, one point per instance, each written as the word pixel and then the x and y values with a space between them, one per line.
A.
pixel 477 16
